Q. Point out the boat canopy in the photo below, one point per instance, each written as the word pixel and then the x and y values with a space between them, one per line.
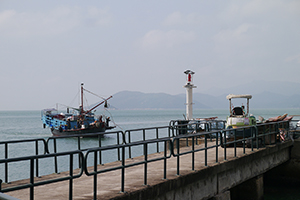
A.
pixel 232 96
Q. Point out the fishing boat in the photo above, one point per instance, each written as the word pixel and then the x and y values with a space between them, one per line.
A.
pixel 240 124
pixel 78 122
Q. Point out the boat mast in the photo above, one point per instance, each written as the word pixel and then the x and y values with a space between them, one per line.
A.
pixel 81 111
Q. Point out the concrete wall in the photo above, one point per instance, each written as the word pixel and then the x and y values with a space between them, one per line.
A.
pixel 292 167
pixel 216 181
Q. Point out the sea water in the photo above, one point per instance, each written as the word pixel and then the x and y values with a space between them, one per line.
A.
pixel 22 125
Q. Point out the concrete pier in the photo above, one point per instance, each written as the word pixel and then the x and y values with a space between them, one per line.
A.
pixel 218 180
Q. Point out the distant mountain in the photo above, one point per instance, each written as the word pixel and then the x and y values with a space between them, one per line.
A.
pixel 257 87
pixel 139 100
pixel 281 95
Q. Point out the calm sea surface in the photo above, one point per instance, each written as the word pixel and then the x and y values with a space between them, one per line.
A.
pixel 22 125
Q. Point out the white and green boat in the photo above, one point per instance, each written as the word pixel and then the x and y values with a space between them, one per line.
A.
pixel 239 117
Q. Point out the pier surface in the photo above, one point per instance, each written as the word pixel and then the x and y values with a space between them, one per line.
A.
pixel 109 183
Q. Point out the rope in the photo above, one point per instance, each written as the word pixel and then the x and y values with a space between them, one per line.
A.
pixel 93 93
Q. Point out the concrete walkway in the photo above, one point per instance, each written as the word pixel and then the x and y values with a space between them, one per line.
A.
pixel 109 183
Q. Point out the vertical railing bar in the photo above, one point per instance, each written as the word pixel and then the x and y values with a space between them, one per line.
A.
pixel 205 141
pixel 217 146
pixel 6 164
pixel 255 136
pixel 244 141
pixel 187 142
pixel 234 144
pixel 95 175
pixel 123 169
pixel 37 160
pixel 78 143
pixel 225 149
pixel 55 157
pixel 100 152
pixel 165 159
pixel 193 153
pixel 118 142
pixel 31 178
pixel 129 141
pixel 71 177
pixel 178 160
pixel 157 143
pixel 264 133
pixel 146 162
pixel 270 136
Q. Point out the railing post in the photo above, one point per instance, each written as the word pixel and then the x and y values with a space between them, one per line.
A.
pixel 244 141
pixel 145 165
pixel 157 143
pixel 6 164
pixel 193 153
pixel 165 159
pixel 264 132
pixel 118 142
pixel 123 169
pixel 55 157
pixel 95 175
pixel 217 146
pixel 225 145
pixel 252 127
pixel 129 140
pixel 144 135
pixel 205 141
pixel 71 178
pixel 256 138
pixel 78 143
pixel 100 152
pixel 234 144
pixel 37 160
pixel 178 160
pixel 31 178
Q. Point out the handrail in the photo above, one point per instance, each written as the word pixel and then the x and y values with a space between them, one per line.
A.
pixel 123 166
pixel 129 135
pixel 99 136
pixel 32 184
pixel 6 150
pixel 260 135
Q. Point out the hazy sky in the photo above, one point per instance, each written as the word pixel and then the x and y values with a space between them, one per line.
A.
pixel 49 47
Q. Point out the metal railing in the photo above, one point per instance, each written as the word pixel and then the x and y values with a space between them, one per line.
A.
pixel 146 134
pixel 79 138
pixel 123 165
pixel 33 184
pixel 36 150
pixel 259 137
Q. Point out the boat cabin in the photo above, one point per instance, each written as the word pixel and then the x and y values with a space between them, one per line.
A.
pixel 239 110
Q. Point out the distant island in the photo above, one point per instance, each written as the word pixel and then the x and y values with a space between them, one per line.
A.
pixel 139 100
pixel 266 94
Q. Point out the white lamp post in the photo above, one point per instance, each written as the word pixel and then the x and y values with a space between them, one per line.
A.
pixel 189 94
